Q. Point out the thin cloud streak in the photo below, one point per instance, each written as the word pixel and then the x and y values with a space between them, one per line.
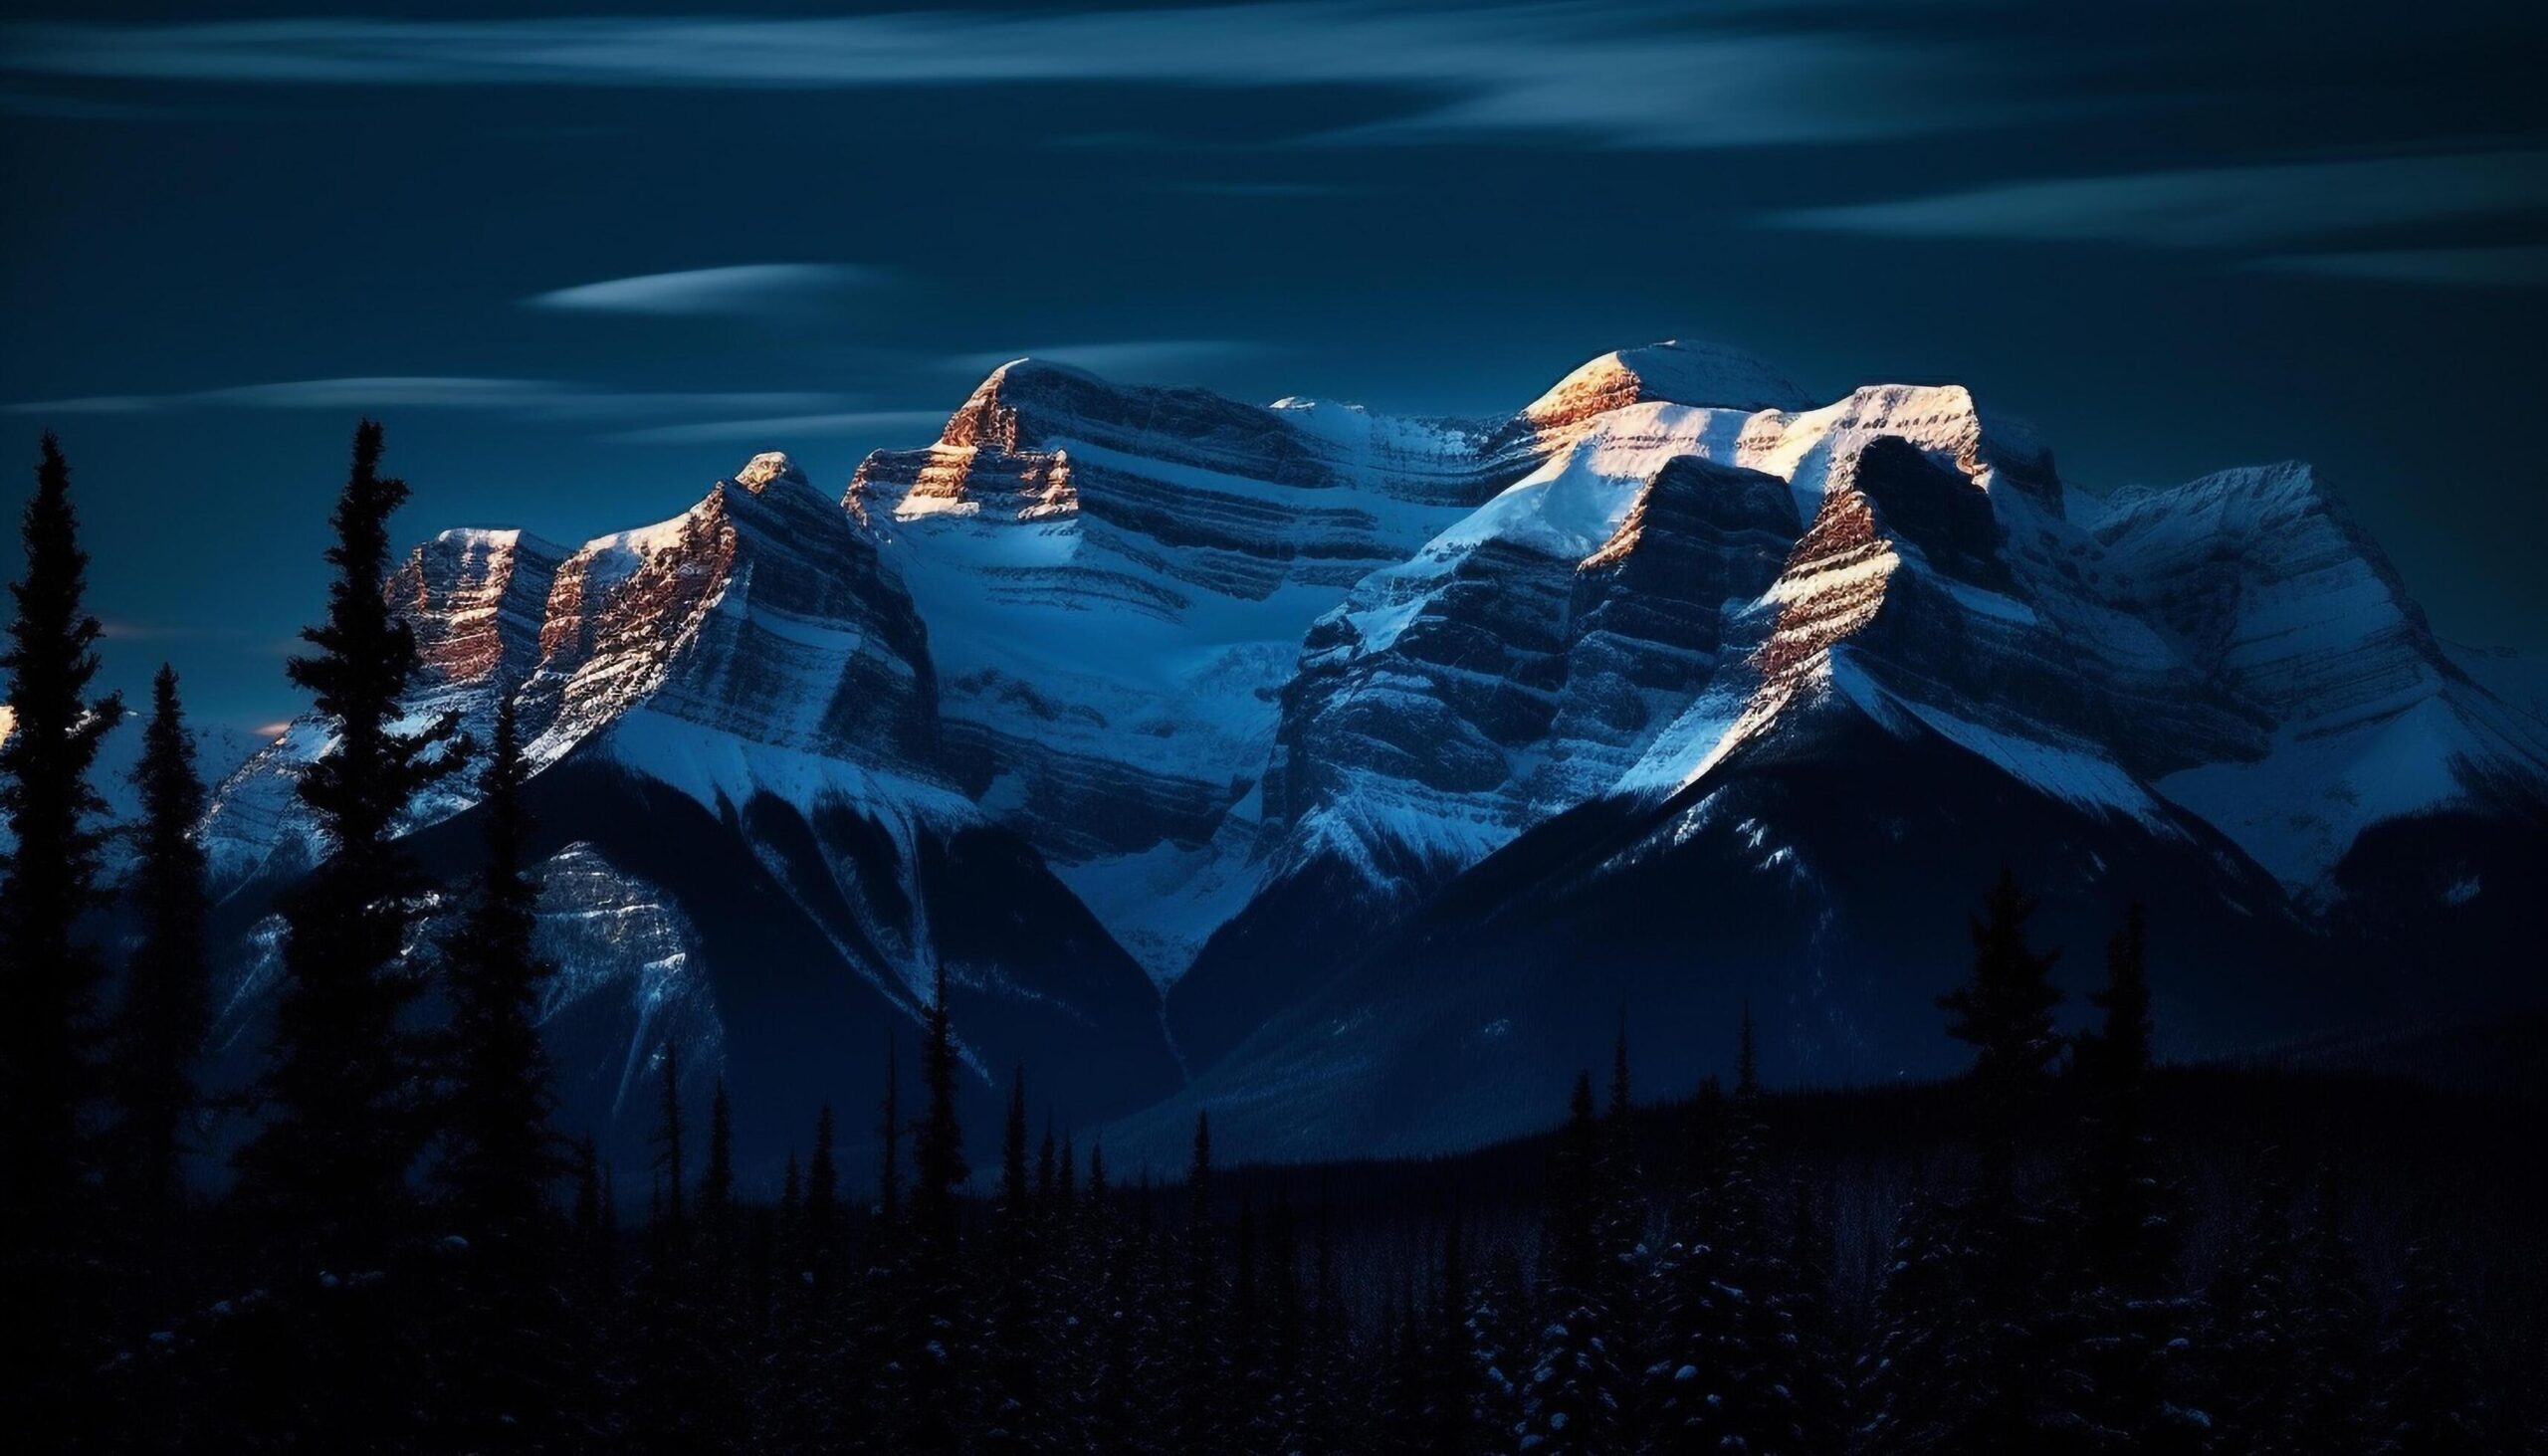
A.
pixel 1591 70
pixel 542 398
pixel 2211 208
pixel 743 289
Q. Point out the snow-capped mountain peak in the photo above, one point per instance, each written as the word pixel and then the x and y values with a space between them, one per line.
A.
pixel 1669 372
pixel 1230 693
pixel 772 464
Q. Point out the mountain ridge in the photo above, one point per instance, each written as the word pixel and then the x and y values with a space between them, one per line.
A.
pixel 1246 692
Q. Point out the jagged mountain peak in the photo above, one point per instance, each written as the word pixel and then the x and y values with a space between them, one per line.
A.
pixel 493 539
pixel 1674 371
pixel 767 467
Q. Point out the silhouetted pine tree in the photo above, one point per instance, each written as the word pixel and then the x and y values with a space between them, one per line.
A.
pixel 1731 1362
pixel 717 1211
pixel 1323 1419
pixel 589 1265
pixel 1198 1371
pixel 607 1244
pixel 1287 1337
pixel 1822 1392
pixel 1067 1302
pixel 818 1259
pixel 2123 1328
pixel 1769 1368
pixel 347 1122
pixel 791 1215
pixel 936 1338
pixel 1574 1394
pixel 687 1382
pixel 1013 1404
pixel 671 1142
pixel 1254 1406
pixel 47 973
pixel 889 1143
pixel 502 1156
pixel 2128 1238
pixel 585 1215
pixel 1114 1416
pixel 347 1080
pixel 880 1341
pixel 1621 1220
pixel 166 1008
pixel 816 1399
pixel 2005 1013
pixel 2430 1400
pixel 1972 1355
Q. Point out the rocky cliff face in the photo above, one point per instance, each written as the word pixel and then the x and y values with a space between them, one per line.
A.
pixel 733 720
pixel 1363 750
pixel 1116 582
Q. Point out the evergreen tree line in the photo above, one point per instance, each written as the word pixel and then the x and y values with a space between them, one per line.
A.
pixel 412 1259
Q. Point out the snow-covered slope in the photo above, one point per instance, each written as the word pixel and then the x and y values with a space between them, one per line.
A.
pixel 2172 718
pixel 219 750
pixel 1131 704
pixel 2280 596
pixel 1116 582
pixel 748 679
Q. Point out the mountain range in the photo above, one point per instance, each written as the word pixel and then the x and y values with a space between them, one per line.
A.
pixel 1358 776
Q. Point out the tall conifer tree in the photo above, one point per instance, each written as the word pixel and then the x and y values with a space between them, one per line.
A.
pixel 166 1006
pixel 504 1155
pixel 2005 1012
pixel 348 1119
pixel 933 1345
pixel 48 973
pixel 1574 1389
pixel 716 1184
pixel 1014 1412
pixel 822 1190
pixel 1198 1419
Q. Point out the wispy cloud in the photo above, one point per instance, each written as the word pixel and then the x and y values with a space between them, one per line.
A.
pixel 544 398
pixel 1151 356
pixel 1599 70
pixel 2514 267
pixel 751 287
pixel 781 429
pixel 2213 208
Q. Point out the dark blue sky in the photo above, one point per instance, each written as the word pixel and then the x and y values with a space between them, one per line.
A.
pixel 2176 238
